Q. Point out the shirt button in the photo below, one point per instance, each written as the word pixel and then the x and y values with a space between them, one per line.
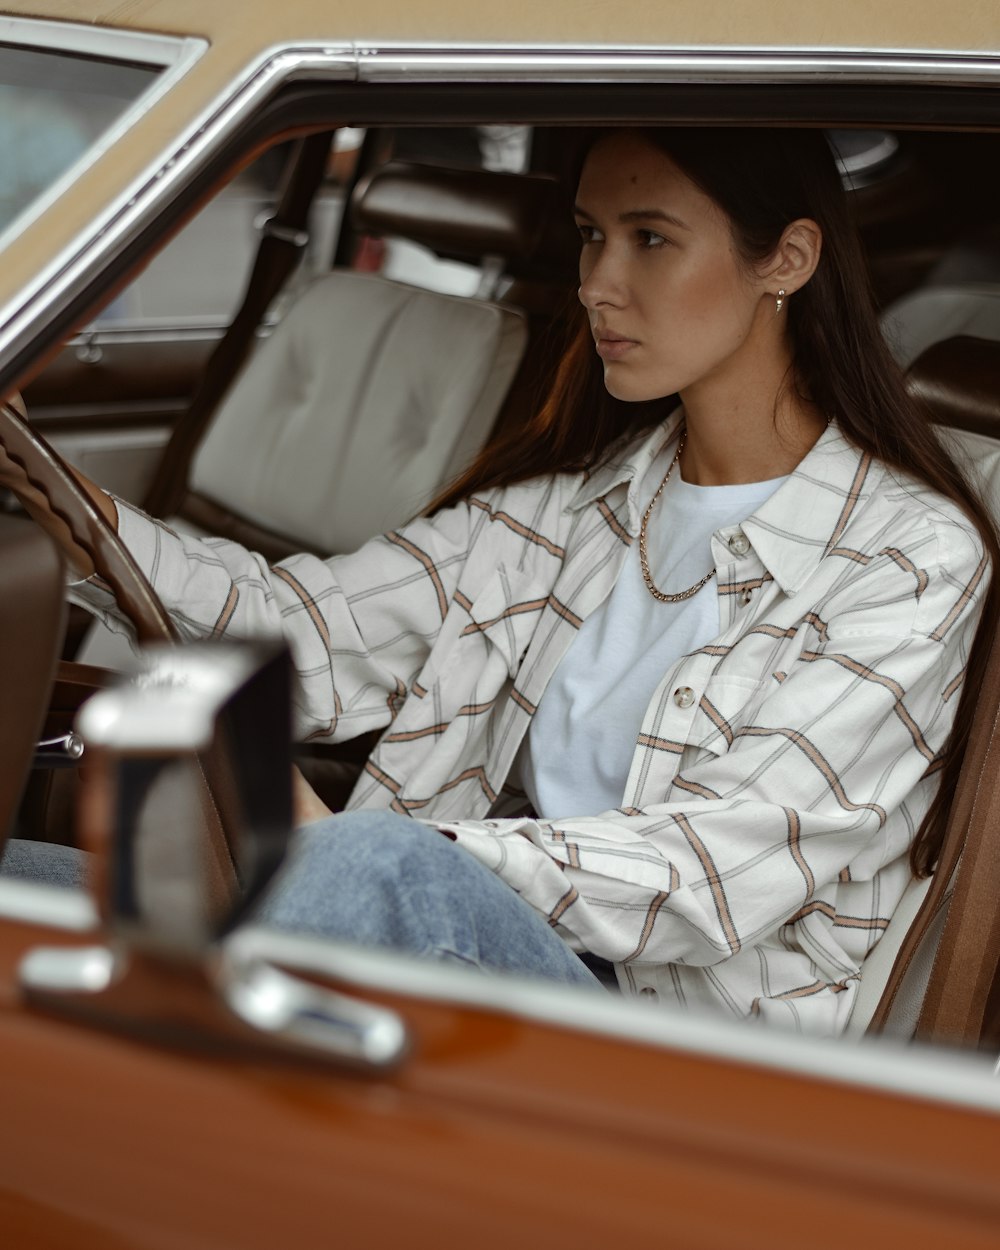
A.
pixel 683 696
pixel 745 597
pixel 739 544
pixel 647 991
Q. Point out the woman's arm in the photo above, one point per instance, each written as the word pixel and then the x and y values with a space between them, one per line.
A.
pixel 99 498
pixel 359 626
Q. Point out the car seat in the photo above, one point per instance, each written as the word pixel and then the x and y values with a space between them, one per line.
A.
pixel 932 314
pixel 370 394
pixel 958 379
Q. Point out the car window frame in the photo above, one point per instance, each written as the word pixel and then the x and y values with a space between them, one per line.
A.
pixel 310 90
pixel 297 88
pixel 959 1079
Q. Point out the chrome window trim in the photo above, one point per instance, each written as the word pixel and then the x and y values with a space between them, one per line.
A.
pixel 483 64
pixel 69 271
pixel 103 42
pixel 945 1077
pixel 941 1076
pixel 954 1078
pixel 156 330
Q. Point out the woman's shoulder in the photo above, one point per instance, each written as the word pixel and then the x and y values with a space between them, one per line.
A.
pixel 526 499
pixel 933 548
pixel 917 508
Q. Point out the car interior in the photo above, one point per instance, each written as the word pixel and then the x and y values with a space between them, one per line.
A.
pixel 334 404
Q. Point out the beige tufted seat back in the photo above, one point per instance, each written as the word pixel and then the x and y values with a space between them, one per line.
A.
pixel 371 394
pixel 366 398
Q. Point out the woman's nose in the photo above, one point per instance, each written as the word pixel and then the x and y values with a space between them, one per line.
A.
pixel 600 280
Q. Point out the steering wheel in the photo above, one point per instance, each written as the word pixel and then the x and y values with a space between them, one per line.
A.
pixel 51 495
pixel 49 492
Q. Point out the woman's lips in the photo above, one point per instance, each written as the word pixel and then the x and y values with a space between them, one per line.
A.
pixel 613 347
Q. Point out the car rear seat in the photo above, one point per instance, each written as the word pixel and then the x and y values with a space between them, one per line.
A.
pixel 959 380
pixel 933 314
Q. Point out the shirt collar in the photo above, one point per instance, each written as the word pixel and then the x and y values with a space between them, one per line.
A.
pixel 626 466
pixel 794 529
pixel 804 519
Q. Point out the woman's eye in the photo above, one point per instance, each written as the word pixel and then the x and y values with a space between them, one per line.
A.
pixel 649 238
pixel 588 234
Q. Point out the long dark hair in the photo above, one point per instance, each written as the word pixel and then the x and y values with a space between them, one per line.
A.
pixel 764 179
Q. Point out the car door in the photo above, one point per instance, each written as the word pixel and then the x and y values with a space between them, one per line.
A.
pixel 216 1103
pixel 514 1113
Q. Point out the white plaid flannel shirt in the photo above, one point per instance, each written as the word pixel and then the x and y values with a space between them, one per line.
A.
pixel 761 843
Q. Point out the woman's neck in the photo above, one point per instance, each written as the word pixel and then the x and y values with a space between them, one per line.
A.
pixel 746 429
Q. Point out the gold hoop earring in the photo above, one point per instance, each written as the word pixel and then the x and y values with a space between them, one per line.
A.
pixel 779 300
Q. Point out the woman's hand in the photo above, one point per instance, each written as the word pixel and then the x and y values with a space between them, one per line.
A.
pixel 307 806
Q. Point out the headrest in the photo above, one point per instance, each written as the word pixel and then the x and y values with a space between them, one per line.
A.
pixel 463 214
pixel 959 381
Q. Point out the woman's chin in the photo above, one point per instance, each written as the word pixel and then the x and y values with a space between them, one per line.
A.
pixel 630 390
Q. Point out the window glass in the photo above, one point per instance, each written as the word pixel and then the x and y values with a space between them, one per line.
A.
pixel 53 109
pixel 199 278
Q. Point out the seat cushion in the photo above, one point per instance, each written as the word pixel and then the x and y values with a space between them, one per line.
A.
pixel 366 398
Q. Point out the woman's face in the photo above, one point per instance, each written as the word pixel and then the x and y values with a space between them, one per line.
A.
pixel 670 303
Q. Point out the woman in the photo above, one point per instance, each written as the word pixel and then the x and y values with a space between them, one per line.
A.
pixel 713 650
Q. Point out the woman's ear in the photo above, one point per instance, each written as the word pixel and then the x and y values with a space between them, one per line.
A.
pixel 793 262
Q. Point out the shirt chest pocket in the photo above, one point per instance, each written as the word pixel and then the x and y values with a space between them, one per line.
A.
pixel 505 615
pixel 727 705
pixel 489 632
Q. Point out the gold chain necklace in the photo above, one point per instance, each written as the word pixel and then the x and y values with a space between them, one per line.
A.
pixel 647 577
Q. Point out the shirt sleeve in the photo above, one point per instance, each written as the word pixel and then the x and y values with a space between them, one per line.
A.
pixel 829 776
pixel 359 626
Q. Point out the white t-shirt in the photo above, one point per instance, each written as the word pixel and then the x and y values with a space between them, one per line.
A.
pixel 576 756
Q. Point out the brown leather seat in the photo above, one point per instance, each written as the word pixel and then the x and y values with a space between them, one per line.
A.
pixel 932 314
pixel 959 381
pixel 32 615
pixel 935 974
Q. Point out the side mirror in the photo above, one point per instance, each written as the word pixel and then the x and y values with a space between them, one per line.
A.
pixel 170 886
pixel 167 881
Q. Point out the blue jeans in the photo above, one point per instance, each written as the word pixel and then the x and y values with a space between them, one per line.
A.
pixel 378 879
pixel 45 862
